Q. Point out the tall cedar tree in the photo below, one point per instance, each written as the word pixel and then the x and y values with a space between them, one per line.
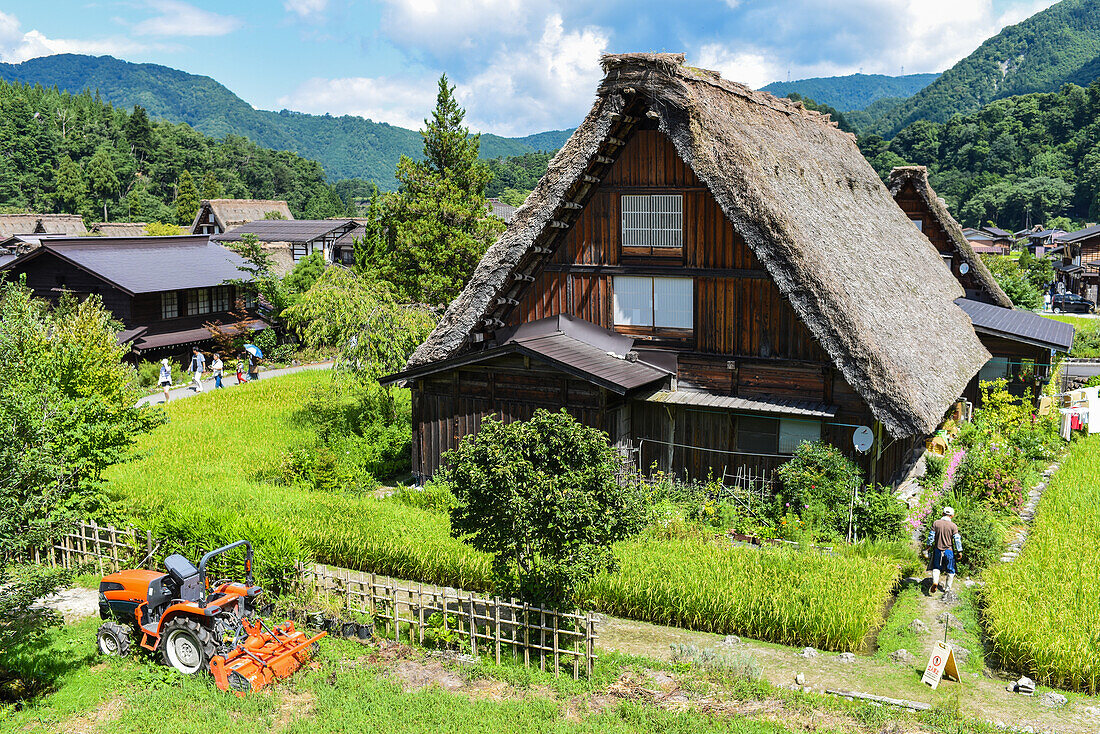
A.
pixel 139 133
pixel 102 178
pixel 187 199
pixel 439 224
pixel 69 186
pixel 369 248
pixel 211 187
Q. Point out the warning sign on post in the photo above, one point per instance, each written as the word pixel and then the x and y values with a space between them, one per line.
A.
pixel 941 664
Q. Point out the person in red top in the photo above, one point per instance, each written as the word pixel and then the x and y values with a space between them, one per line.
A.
pixel 942 534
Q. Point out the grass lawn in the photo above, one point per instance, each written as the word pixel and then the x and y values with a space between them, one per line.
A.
pixel 355 687
pixel 197 482
pixel 1042 611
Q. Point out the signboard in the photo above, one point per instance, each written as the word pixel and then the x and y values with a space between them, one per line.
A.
pixel 862 438
pixel 941 664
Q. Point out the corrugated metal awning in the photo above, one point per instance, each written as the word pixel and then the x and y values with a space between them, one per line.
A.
pixel 778 406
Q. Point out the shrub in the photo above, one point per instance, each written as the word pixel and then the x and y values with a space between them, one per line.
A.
pixel 818 484
pixel 879 514
pixel 283 353
pixel 991 473
pixel 266 340
pixel 545 498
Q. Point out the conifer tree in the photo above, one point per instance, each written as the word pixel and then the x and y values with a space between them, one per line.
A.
pixel 439 225
pixel 187 199
pixel 69 186
pixel 371 247
pixel 139 133
pixel 212 187
pixel 102 178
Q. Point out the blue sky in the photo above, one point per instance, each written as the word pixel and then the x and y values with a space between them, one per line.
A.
pixel 520 66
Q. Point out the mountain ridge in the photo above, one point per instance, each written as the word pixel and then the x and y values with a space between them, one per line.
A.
pixel 347 146
pixel 853 91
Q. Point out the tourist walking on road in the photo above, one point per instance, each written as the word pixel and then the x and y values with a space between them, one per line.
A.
pixel 216 367
pixel 253 367
pixel 165 379
pixel 240 370
pixel 943 533
pixel 198 367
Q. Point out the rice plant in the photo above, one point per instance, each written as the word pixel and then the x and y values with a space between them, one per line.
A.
pixel 1042 612
pixel 777 594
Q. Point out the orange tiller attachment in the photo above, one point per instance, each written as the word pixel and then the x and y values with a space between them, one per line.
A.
pixel 266 656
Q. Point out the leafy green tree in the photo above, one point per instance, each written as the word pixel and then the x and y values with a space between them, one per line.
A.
pixel 139 133
pixel 69 185
pixel 212 187
pixel 305 273
pixel 546 498
pixel 1014 282
pixel 102 179
pixel 439 225
pixel 371 247
pixel 359 317
pixel 260 268
pixel 160 229
pixel 187 199
pixel 68 408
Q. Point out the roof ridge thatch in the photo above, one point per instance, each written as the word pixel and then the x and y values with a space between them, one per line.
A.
pixel 918 176
pixel 806 202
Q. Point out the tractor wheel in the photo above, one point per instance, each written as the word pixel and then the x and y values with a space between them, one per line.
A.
pixel 113 639
pixel 187 646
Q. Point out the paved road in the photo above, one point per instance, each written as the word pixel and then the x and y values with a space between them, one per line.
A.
pixel 228 383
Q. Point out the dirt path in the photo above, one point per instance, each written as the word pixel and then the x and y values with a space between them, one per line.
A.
pixel 979 695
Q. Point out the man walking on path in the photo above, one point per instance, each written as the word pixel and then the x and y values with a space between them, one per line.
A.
pixel 165 377
pixel 198 366
pixel 216 367
pixel 944 532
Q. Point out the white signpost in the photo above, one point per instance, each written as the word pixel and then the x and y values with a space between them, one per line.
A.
pixel 941 664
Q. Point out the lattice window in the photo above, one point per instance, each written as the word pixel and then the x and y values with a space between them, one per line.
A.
pixel 794 432
pixel 198 301
pixel 220 298
pixel 169 305
pixel 653 220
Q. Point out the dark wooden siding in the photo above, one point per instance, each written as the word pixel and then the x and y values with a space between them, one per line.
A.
pixel 47 274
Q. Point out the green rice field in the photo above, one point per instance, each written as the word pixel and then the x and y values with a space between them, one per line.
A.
pixel 198 482
pixel 1042 612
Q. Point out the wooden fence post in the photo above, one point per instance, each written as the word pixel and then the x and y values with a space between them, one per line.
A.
pixel 420 610
pixel 473 628
pixel 496 626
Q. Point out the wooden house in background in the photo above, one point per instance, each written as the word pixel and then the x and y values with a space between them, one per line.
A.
pixel 162 289
pixel 291 241
pixel 1079 268
pixel 1021 343
pixel 224 215
pixel 712 275
pixel 62 224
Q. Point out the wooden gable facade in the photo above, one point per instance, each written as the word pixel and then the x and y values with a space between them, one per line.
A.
pixel 756 379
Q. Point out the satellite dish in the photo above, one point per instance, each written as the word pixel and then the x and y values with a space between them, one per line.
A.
pixel 964 268
pixel 862 439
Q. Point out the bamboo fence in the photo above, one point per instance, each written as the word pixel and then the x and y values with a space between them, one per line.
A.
pixel 545 637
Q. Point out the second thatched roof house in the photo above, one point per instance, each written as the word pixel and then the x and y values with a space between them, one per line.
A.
pixel 712 275
pixel 224 215
pixel 1021 342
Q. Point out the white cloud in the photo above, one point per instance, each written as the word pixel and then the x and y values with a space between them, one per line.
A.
pixel 178 18
pixel 532 86
pixel 442 25
pixel 306 8
pixel 405 102
pixel 522 89
pixel 17 45
pixel 751 67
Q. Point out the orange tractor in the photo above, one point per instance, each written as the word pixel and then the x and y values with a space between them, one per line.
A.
pixel 196 629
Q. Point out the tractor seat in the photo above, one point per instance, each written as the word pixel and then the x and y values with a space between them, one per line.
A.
pixel 186 576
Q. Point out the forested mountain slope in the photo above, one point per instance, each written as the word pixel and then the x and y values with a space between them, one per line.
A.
pixel 78 154
pixel 1058 45
pixel 347 146
pixel 855 91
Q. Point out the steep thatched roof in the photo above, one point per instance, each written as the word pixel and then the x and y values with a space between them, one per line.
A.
pixel 814 212
pixel 918 177
pixel 120 229
pixel 230 213
pixel 70 224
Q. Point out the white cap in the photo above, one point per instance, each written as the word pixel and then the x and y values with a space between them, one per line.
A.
pixel 949 512
pixel 164 361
